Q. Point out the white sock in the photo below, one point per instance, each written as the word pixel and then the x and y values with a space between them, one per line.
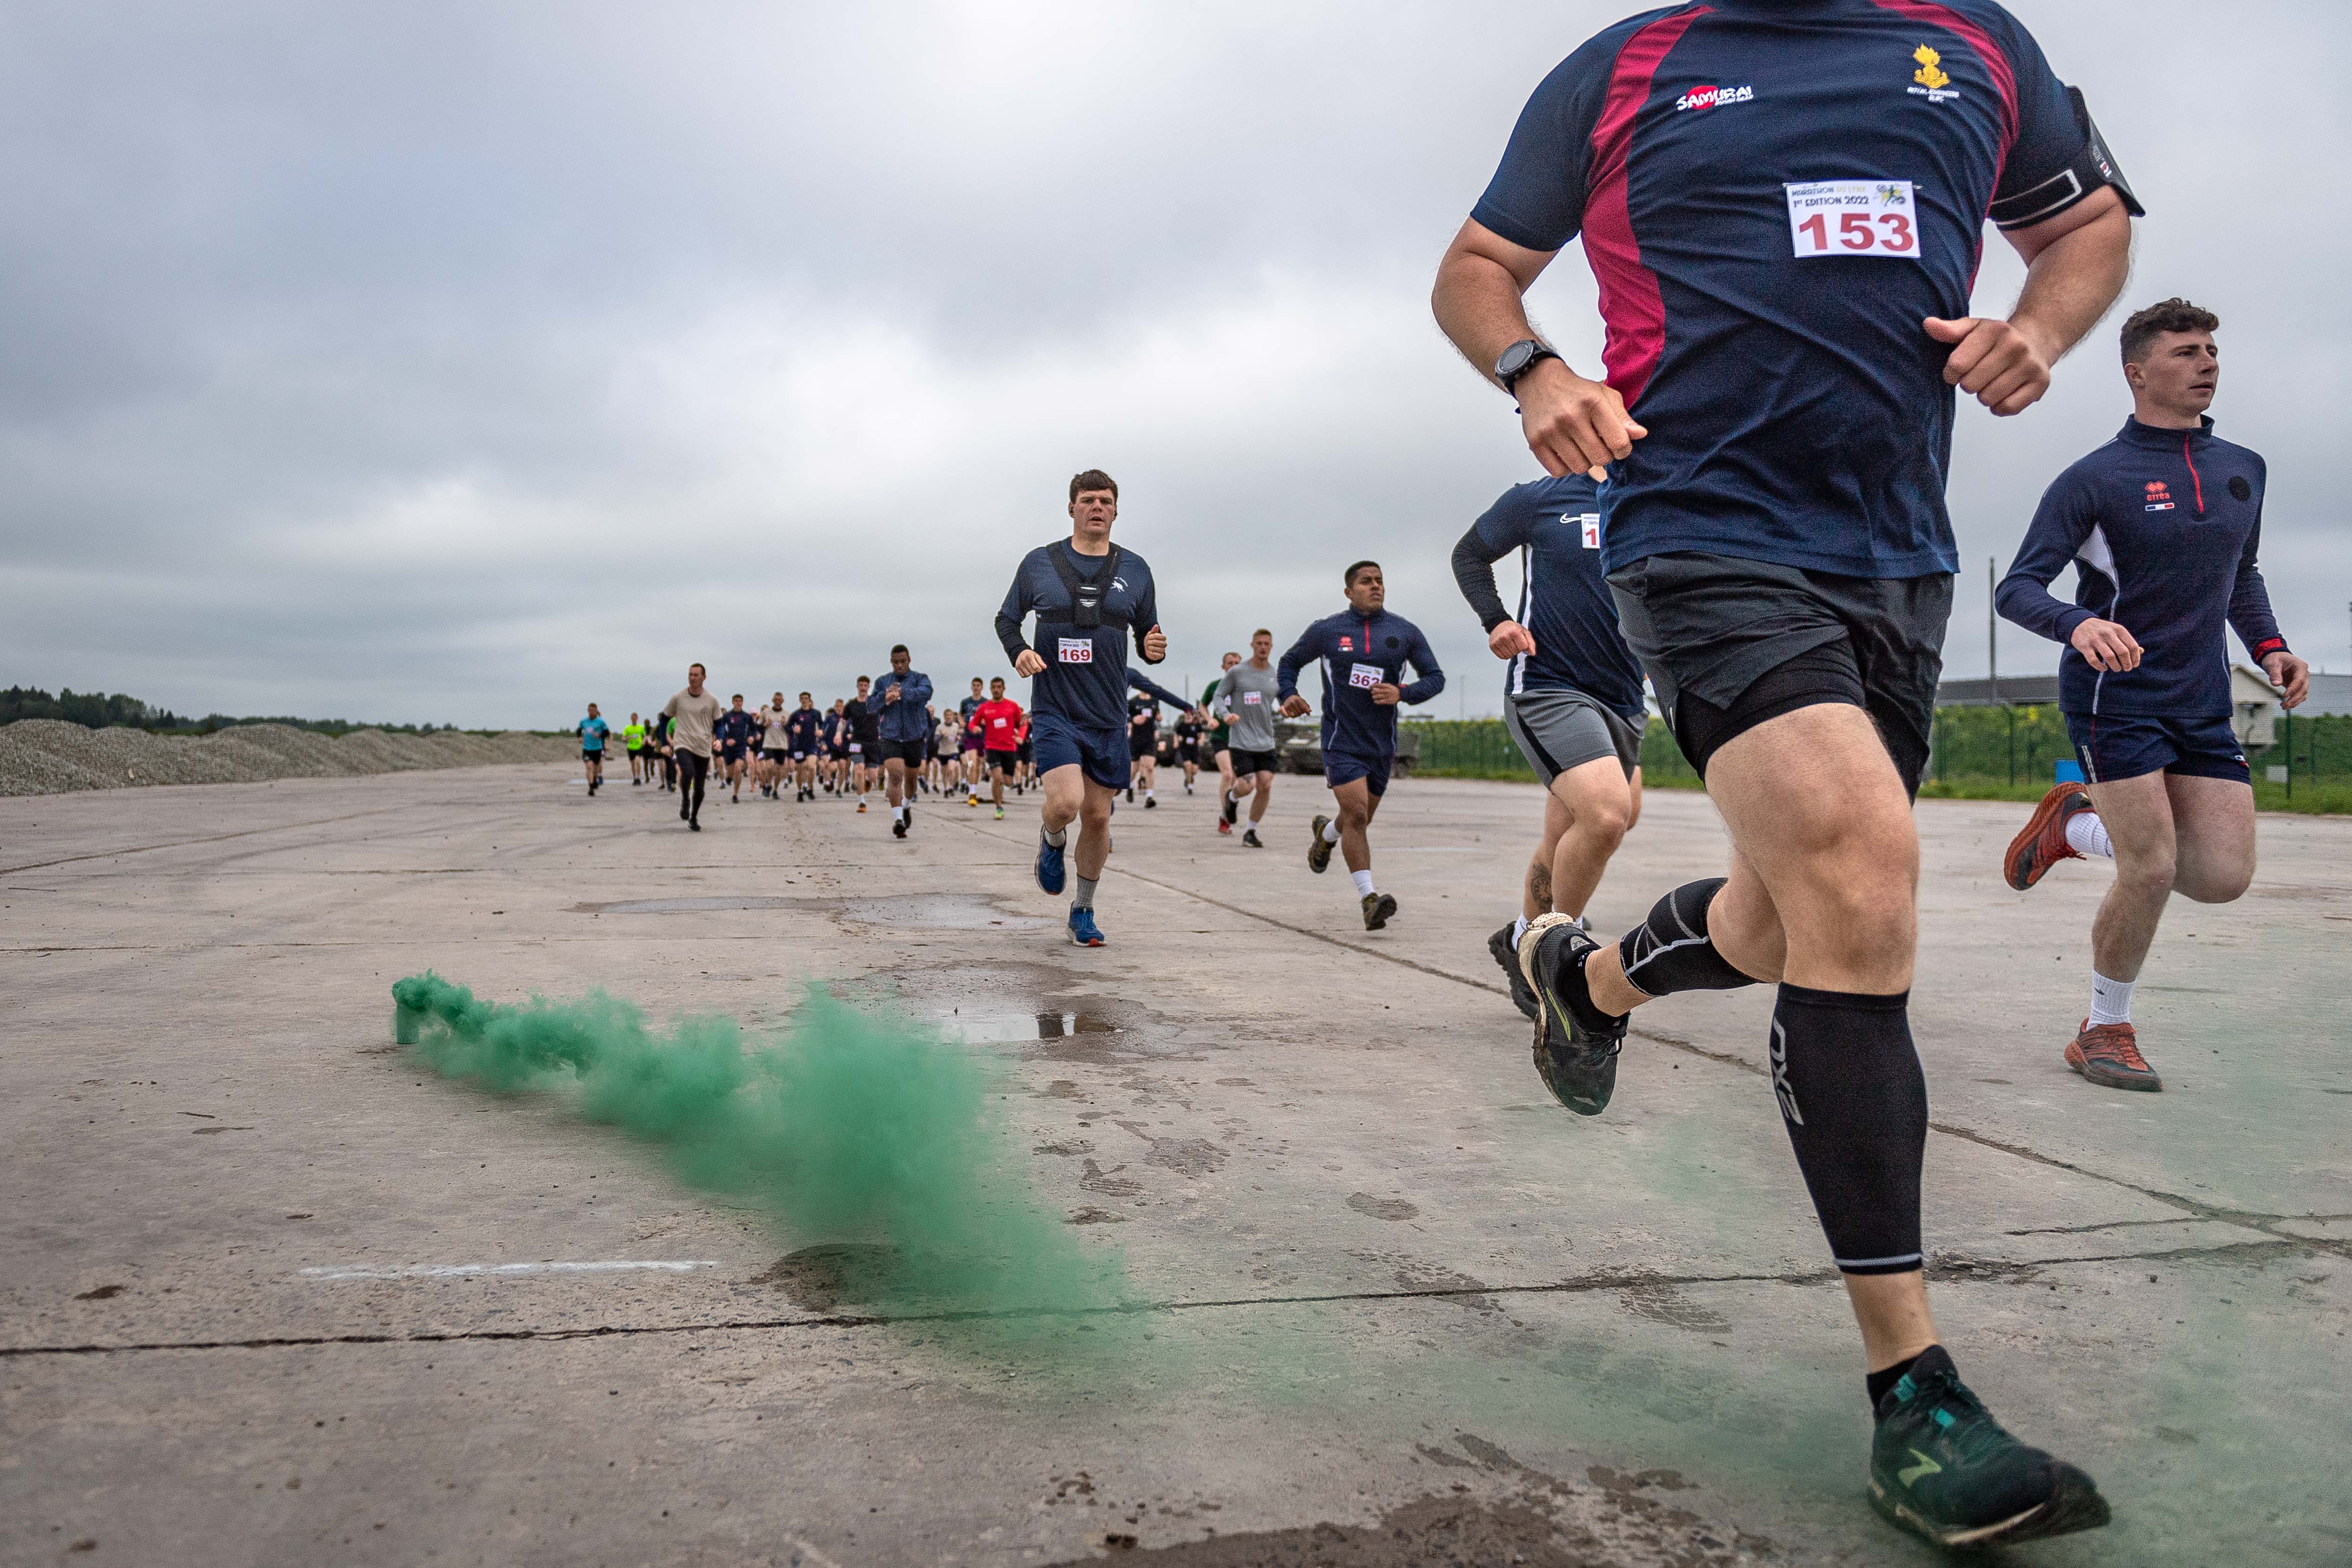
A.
pixel 1518 929
pixel 1364 888
pixel 2086 835
pixel 1057 837
pixel 1147 794
pixel 2110 999
pixel 1331 832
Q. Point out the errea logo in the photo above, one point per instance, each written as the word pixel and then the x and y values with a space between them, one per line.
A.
pixel 1708 96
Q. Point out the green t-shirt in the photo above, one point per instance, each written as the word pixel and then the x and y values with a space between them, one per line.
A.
pixel 634 734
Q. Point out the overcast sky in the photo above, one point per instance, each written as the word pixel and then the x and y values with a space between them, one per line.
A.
pixel 464 362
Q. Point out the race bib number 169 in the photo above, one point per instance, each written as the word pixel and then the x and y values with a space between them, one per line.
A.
pixel 1078 649
pixel 1852 217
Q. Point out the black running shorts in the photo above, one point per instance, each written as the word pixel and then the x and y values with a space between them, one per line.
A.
pixel 909 752
pixel 1248 762
pixel 1729 643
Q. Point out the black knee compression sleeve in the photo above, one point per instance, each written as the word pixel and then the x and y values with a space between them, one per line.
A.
pixel 1671 952
pixel 1855 1104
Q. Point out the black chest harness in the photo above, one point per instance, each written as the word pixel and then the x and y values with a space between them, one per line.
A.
pixel 1087 595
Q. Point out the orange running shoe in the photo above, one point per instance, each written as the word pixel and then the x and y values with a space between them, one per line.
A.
pixel 2042 842
pixel 2109 1055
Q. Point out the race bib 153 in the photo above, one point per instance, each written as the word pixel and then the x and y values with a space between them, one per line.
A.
pixel 1078 649
pixel 1364 677
pixel 1852 217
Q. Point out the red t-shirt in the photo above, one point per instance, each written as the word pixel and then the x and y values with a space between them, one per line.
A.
pixel 999 724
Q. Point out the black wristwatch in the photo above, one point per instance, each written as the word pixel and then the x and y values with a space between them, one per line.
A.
pixel 1519 359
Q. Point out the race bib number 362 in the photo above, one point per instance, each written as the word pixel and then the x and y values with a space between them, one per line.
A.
pixel 1852 217
pixel 1078 649
pixel 1364 677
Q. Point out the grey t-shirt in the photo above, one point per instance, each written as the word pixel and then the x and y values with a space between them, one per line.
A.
pixel 1250 695
pixel 690 721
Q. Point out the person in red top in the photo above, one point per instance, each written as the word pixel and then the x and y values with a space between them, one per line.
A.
pixel 1003 726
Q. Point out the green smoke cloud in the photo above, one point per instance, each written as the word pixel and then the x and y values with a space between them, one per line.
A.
pixel 850 1128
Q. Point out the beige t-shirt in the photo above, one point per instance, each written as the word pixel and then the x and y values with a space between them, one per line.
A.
pixel 690 720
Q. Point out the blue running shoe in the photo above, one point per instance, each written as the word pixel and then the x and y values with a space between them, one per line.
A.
pixel 1049 865
pixel 1082 930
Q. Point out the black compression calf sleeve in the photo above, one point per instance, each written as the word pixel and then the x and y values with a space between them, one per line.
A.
pixel 1671 952
pixel 1855 1104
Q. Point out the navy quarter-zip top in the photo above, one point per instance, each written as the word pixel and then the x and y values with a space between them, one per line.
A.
pixel 2163 529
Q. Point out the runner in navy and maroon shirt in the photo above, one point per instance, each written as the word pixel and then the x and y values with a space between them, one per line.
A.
pixel 1784 203
pixel 2162 526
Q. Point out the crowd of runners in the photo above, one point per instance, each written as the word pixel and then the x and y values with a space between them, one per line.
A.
pixel 1742 531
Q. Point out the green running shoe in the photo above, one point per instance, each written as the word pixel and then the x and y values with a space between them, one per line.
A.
pixel 1943 1469
pixel 1318 852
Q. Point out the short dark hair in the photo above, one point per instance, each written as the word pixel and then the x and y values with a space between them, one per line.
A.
pixel 898 648
pixel 2143 328
pixel 805 694
pixel 1349 581
pixel 698 665
pixel 996 680
pixel 1093 479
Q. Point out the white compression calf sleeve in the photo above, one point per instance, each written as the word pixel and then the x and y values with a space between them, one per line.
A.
pixel 2086 835
pixel 1364 888
pixel 1331 832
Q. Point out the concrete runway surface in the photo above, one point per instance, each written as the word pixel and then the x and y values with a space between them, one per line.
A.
pixel 275 1295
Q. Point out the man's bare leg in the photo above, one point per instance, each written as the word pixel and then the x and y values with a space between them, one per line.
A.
pixel 1586 812
pixel 1823 897
pixel 1357 805
pixel 1261 792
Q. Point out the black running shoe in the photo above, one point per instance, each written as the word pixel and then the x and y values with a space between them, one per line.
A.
pixel 1149 803
pixel 1523 995
pixel 899 826
pixel 1943 1469
pixel 1378 908
pixel 1232 810
pixel 1249 837
pixel 1318 852
pixel 1576 1043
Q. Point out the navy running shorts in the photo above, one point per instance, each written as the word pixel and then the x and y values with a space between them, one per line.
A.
pixel 1101 753
pixel 2115 746
pixel 1345 768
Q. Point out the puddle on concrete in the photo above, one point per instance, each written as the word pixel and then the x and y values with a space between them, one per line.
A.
pixel 936 912
pixel 686 905
pixel 996 1028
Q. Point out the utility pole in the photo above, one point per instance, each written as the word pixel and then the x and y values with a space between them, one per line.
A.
pixel 1992 638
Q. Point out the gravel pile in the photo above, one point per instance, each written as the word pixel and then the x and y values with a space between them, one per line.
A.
pixel 44 756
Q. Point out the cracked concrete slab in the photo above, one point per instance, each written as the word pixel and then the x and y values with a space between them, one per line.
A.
pixel 275 1295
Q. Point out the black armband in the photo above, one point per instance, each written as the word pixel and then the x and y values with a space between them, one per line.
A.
pixel 2088 170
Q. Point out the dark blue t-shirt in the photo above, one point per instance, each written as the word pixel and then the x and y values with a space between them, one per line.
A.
pixel 1358 652
pixel 732 727
pixel 2162 527
pixel 802 727
pixel 1564 601
pixel 1084 678
pixel 1796 408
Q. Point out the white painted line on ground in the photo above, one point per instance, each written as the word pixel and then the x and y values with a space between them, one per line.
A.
pixel 463 1271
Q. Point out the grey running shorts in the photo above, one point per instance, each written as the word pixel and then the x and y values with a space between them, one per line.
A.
pixel 1558 729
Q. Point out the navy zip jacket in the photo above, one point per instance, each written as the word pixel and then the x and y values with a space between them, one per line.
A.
pixel 904 720
pixel 800 727
pixel 1564 601
pixel 2162 527
pixel 1357 653
pixel 1085 677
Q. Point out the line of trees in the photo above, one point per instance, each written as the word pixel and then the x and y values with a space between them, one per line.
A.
pixel 97 710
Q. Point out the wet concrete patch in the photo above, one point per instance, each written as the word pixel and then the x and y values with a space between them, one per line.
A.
pixel 1382 1208
pixel 1664 1304
pixel 821 1278
pixel 936 912
pixel 998 1028
pixel 1185 1157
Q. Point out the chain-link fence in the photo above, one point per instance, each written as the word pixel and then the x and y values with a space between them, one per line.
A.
pixel 1976 753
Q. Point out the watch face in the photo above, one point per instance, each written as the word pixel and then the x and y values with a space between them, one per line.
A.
pixel 1514 359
